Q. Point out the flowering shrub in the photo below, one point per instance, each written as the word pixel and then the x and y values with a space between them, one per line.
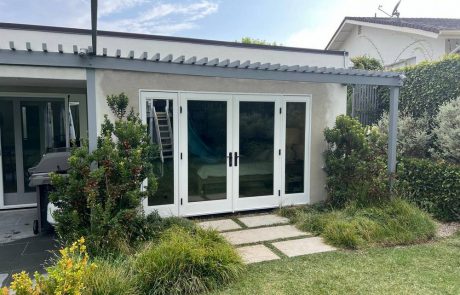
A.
pixel 66 276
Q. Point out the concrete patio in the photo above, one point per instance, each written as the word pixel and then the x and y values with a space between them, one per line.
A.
pixel 265 237
pixel 20 249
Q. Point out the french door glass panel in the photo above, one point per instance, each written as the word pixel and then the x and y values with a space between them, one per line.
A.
pixel 8 148
pixel 207 150
pixel 295 147
pixel 160 122
pixel 256 146
pixel 43 130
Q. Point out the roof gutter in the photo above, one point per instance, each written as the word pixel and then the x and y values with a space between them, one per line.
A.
pixel 94 26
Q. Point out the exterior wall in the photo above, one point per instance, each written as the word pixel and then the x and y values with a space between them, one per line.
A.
pixel 392 46
pixel 328 101
pixel 52 39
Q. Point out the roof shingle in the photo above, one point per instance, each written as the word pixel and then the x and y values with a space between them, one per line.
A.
pixel 426 24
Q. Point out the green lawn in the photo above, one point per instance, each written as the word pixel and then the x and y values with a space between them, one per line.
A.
pixel 432 268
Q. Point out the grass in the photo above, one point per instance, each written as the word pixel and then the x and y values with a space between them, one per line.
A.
pixel 186 262
pixel 431 268
pixel 389 223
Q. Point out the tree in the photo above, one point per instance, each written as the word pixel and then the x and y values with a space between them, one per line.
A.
pixel 366 63
pixel 249 40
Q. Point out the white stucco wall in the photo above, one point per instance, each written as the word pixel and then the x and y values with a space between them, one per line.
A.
pixel 52 39
pixel 390 46
pixel 328 101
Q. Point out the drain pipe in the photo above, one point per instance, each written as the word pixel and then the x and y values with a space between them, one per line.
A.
pixel 94 26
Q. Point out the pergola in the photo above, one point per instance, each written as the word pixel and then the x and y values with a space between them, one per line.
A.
pixel 181 65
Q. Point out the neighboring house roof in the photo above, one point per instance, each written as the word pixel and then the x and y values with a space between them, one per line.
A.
pixel 432 25
pixel 26 27
pixel 426 24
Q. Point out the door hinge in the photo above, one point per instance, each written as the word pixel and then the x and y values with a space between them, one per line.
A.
pixel 279 193
pixel 279 152
pixel 180 109
pixel 181 156
pixel 281 110
pixel 181 201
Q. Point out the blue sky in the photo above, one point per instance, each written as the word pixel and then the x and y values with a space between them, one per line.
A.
pixel 303 23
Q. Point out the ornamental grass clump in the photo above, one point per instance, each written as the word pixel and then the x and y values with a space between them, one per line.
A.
pixel 387 223
pixel 186 262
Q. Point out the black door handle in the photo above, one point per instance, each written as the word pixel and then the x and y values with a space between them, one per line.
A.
pixel 230 159
pixel 236 159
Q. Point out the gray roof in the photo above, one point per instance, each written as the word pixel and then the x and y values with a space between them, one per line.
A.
pixel 192 65
pixel 426 24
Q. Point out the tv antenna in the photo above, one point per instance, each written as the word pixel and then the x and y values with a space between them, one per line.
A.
pixel 395 10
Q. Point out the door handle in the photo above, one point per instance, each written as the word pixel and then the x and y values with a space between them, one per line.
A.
pixel 230 159
pixel 236 159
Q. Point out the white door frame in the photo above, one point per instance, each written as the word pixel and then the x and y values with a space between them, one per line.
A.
pixel 16 98
pixel 169 209
pixel 258 202
pixel 304 197
pixel 233 202
pixel 205 207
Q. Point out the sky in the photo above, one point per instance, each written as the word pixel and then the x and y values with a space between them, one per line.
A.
pixel 299 23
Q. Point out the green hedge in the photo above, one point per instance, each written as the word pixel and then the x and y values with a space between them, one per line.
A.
pixel 428 85
pixel 434 186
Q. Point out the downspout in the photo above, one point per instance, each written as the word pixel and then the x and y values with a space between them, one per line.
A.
pixel 94 26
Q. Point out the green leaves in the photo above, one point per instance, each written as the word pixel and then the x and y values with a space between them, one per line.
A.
pixel 355 163
pixel 434 186
pixel 102 192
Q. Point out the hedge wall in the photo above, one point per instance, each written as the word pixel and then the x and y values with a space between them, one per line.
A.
pixel 433 186
pixel 427 86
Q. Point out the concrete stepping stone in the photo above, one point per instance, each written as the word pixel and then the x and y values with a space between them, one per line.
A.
pixel 303 246
pixel 256 253
pixel 263 220
pixel 262 234
pixel 220 225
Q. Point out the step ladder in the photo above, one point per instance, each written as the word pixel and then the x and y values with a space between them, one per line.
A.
pixel 164 134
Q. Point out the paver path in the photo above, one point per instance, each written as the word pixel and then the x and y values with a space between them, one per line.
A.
pixel 264 237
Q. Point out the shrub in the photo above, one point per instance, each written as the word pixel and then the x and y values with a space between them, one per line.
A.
pixel 101 197
pixel 355 163
pixel 447 131
pixel 433 186
pixel 186 262
pixel 427 86
pixel 393 222
pixel 111 277
pixel 66 276
pixel 414 138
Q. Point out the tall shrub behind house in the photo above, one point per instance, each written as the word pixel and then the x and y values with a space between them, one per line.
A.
pixel 355 163
pixel 101 197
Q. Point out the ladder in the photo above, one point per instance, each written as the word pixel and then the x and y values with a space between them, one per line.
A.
pixel 163 128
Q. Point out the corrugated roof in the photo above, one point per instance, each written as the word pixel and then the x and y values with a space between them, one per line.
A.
pixel 426 24
pixel 211 62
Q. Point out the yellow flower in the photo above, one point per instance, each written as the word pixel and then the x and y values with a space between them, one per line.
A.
pixel 5 291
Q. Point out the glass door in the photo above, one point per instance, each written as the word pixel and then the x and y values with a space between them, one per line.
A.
pixel 296 150
pixel 29 127
pixel 206 157
pixel 256 146
pixel 159 111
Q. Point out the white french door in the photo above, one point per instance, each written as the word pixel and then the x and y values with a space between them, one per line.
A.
pixel 230 152
pixel 257 155
pixel 205 153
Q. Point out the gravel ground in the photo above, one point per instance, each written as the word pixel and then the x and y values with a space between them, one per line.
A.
pixel 448 229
